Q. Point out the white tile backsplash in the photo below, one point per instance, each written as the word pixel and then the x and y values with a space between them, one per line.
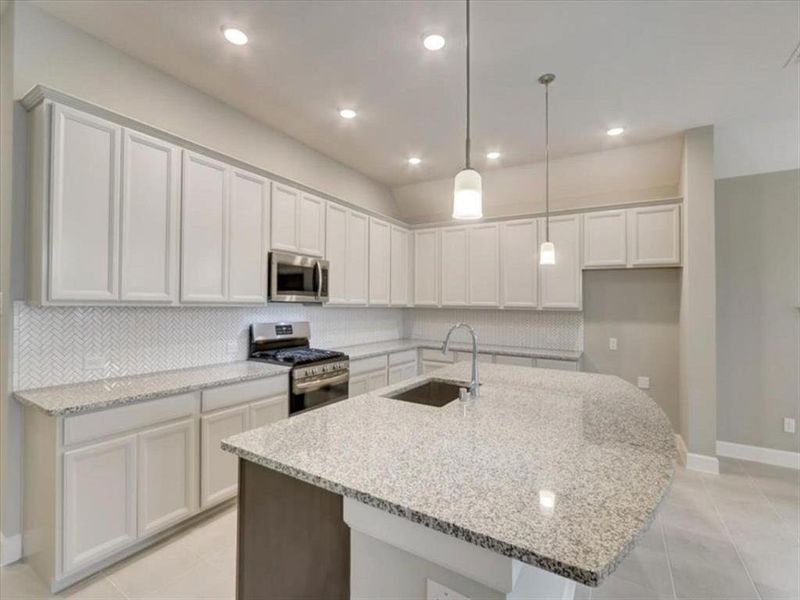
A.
pixel 55 345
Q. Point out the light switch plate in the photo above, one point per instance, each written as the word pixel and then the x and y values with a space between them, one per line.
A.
pixel 789 425
pixel 612 343
pixel 437 591
pixel 643 382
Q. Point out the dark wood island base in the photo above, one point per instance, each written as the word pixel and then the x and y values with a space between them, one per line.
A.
pixel 291 542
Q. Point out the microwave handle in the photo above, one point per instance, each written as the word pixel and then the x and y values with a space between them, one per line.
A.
pixel 318 271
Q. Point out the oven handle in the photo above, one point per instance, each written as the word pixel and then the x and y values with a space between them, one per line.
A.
pixel 318 273
pixel 310 386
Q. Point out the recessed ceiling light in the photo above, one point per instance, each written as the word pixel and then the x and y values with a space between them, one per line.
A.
pixel 414 160
pixel 433 41
pixel 493 155
pixel 235 36
pixel 347 113
pixel 616 131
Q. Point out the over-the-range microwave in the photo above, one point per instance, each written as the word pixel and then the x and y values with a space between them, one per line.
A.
pixel 297 278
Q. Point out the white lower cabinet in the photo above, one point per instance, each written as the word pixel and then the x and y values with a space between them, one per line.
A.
pixel 268 411
pixel 367 382
pixel 99 501
pixel 432 365
pixel 168 475
pixel 400 373
pixel 219 480
pixel 357 386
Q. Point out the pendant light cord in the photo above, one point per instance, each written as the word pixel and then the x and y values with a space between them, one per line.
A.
pixel 547 159
pixel 468 143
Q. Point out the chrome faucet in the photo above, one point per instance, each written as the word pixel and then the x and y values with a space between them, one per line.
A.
pixel 474 386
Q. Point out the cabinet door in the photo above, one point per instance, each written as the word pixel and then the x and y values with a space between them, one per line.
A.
pixel 249 237
pixel 99 501
pixel 356 272
pixel 379 267
pixel 655 236
pixel 285 211
pixel 402 372
pixel 376 380
pixel 520 263
pixel 426 268
pixel 561 283
pixel 168 475
pixel 430 365
pixel 604 239
pixel 484 265
pixel 336 252
pixel 204 226
pixel 311 225
pixel 84 207
pixel 454 266
pixel 398 261
pixel 268 411
pixel 150 219
pixel 219 478
pixel 357 386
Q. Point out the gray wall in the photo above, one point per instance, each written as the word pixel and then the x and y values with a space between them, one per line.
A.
pixel 758 320
pixel 639 307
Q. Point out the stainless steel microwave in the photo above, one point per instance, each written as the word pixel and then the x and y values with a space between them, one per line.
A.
pixel 297 278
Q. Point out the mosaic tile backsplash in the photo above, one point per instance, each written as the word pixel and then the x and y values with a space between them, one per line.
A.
pixel 55 345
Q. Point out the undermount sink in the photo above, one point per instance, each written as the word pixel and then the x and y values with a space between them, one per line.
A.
pixel 429 393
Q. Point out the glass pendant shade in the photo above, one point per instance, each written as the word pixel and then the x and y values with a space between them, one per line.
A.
pixel 547 254
pixel 468 195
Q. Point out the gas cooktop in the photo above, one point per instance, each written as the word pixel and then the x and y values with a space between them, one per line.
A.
pixel 296 356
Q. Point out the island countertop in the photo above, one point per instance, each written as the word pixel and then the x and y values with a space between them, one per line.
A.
pixel 558 470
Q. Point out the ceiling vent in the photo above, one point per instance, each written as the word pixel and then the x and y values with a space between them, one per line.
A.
pixel 794 57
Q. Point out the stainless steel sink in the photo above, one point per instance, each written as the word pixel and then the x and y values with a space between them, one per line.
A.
pixel 430 393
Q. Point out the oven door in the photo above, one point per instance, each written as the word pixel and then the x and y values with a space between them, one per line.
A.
pixel 308 395
pixel 297 278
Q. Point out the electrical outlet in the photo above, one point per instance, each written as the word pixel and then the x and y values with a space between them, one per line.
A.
pixel 232 347
pixel 437 591
pixel 789 425
pixel 612 343
pixel 93 362
pixel 643 382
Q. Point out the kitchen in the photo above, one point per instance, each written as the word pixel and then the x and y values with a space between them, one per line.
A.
pixel 160 229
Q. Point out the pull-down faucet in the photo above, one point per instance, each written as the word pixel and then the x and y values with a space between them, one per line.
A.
pixel 474 387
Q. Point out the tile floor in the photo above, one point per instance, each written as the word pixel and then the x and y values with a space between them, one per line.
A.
pixel 735 536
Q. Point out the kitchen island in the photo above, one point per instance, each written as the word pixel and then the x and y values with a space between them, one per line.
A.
pixel 546 480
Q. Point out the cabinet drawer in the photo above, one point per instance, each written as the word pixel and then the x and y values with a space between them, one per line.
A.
pixel 248 391
pixel 96 425
pixel 401 358
pixel 554 363
pixel 437 356
pixel 366 365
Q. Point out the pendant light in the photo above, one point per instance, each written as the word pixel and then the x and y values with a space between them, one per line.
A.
pixel 547 252
pixel 468 189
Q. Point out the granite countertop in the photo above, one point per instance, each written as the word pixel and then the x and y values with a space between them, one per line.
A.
pixel 107 393
pixel 358 351
pixel 556 469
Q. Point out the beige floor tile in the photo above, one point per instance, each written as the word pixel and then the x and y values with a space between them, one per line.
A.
pixel 201 583
pixel 95 588
pixel 19 581
pixel 703 521
pixel 706 567
pixel 616 588
pixel 648 568
pixel 153 568
pixel 776 574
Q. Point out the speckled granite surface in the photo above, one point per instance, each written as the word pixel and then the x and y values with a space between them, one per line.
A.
pixel 378 348
pixel 596 446
pixel 107 393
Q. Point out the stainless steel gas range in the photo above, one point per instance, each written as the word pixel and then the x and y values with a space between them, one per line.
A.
pixel 318 377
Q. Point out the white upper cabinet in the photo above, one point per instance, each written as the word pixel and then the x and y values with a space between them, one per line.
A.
pixel 150 225
pixel 454 260
pixel 204 246
pixel 248 235
pixel 84 207
pixel 519 242
pixel 560 284
pixel 484 265
pixel 285 205
pixel 311 225
pixel 654 236
pixel 605 239
pixel 379 262
pixel 336 252
pixel 399 266
pixel 298 221
pixel 426 267
pixel 357 270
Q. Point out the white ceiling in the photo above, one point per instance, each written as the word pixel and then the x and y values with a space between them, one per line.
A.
pixel 655 68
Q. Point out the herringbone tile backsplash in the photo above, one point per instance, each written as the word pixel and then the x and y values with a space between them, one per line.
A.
pixel 55 345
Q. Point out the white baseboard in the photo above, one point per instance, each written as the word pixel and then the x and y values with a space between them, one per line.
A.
pixel 769 456
pixel 10 549
pixel 682 451
pixel 702 463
